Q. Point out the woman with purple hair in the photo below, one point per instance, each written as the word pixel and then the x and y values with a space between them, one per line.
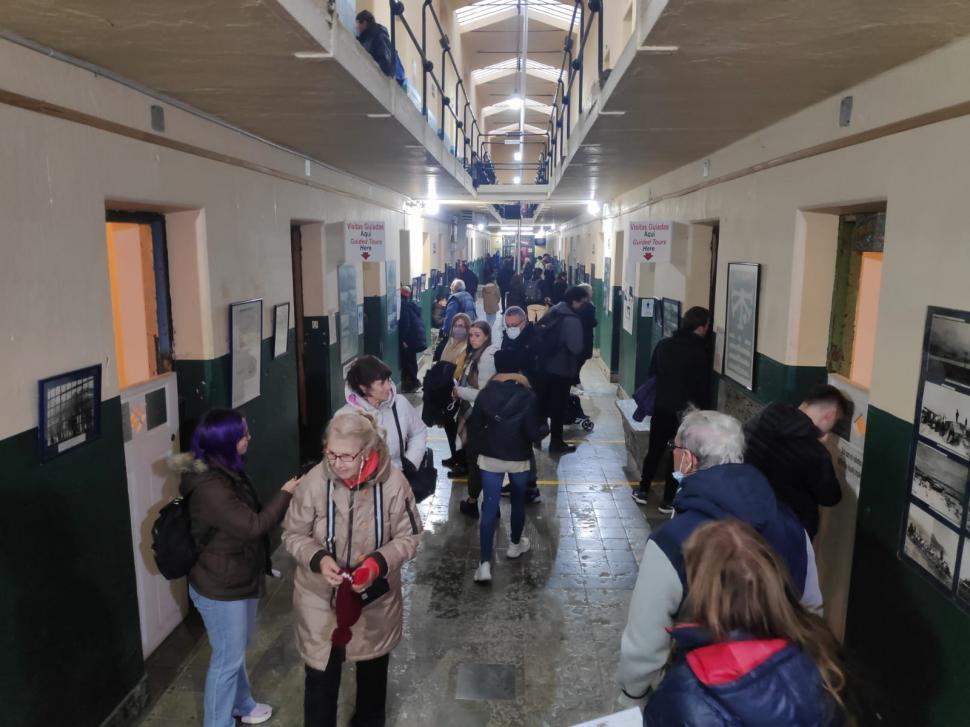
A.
pixel 231 529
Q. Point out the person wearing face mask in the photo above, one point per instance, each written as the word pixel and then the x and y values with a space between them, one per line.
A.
pixel 351 528
pixel 456 352
pixel 708 450
pixel 369 389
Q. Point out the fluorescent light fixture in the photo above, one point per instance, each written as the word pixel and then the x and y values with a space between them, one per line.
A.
pixel 562 228
pixel 378 116
pixel 517 156
pixel 658 48
pixel 612 113
pixel 312 55
pixel 593 207
pixel 469 226
pixel 432 207
pixel 516 180
pixel 481 226
pixel 515 103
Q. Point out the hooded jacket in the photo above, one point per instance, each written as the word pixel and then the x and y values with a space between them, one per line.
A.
pixel 742 682
pixel 783 442
pixel 568 347
pixel 724 491
pixel 377 42
pixel 413 429
pixel 682 366
pixel 377 519
pixel 224 507
pixel 506 418
pixel 460 302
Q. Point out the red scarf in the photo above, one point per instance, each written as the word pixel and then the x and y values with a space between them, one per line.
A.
pixel 366 472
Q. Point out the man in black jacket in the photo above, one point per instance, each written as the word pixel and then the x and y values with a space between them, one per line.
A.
pixel 682 367
pixel 376 41
pixel 519 338
pixel 468 276
pixel 413 340
pixel 787 444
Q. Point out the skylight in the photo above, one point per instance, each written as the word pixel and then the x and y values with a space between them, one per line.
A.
pixel 510 66
pixel 484 12
pixel 530 105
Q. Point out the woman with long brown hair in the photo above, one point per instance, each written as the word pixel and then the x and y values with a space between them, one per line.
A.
pixel 748 653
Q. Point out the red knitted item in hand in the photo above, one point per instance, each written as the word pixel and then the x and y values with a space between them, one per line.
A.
pixel 348 609
pixel 366 573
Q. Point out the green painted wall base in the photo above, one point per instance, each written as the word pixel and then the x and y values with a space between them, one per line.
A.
pixel 380 337
pixel 70 649
pixel 635 349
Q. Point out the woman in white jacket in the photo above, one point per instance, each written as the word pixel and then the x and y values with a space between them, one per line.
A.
pixel 479 370
pixel 370 389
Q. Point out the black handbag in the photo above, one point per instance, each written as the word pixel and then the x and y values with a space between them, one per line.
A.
pixel 423 479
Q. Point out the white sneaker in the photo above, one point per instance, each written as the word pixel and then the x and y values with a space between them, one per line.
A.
pixel 517 549
pixel 259 714
pixel 484 573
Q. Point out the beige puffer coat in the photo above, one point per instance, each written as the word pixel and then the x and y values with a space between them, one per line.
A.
pixel 305 535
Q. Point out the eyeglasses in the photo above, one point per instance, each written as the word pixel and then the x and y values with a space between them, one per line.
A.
pixel 672 445
pixel 333 458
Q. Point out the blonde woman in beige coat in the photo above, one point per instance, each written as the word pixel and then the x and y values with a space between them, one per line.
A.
pixel 351 527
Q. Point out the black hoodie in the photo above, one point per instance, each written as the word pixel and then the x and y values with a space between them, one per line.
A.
pixel 783 442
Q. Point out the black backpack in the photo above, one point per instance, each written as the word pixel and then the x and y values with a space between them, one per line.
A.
pixel 533 292
pixel 173 546
pixel 548 336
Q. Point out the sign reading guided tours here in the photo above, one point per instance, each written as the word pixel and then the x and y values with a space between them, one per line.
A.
pixel 649 242
pixel 365 242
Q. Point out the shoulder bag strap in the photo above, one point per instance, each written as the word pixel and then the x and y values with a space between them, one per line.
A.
pixel 379 514
pixel 400 436
pixel 331 524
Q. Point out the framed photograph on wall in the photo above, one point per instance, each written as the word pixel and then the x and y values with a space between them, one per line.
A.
pixel 245 350
pixel 281 328
pixel 935 529
pixel 671 316
pixel 69 408
pixel 741 329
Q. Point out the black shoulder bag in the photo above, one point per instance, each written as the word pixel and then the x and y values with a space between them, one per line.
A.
pixel 423 479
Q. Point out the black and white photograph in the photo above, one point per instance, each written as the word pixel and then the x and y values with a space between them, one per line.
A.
pixel 943 418
pixel 931 544
pixel 70 410
pixel 741 330
pixel 949 349
pixel 940 482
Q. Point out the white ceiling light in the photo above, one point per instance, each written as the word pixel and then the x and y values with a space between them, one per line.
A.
pixel 516 180
pixel 658 48
pixel 593 207
pixel 432 207
pixel 481 226
pixel 469 226
pixel 612 113
pixel 312 55
pixel 378 116
pixel 517 156
pixel 515 103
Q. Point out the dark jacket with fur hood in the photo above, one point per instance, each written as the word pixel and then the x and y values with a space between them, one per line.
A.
pixel 233 564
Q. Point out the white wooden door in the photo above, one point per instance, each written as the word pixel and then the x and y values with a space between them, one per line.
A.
pixel 150 423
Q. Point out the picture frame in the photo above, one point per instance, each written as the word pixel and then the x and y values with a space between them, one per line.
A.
pixel 671 316
pixel 741 325
pixel 281 328
pixel 934 530
pixel 245 350
pixel 69 411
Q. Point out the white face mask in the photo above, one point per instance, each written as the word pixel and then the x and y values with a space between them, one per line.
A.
pixel 512 333
pixel 678 474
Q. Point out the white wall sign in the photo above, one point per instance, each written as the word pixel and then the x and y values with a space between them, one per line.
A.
pixel 245 341
pixel 627 313
pixel 646 308
pixel 365 242
pixel 649 242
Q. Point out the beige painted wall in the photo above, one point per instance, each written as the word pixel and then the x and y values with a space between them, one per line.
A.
pixel 922 174
pixel 228 227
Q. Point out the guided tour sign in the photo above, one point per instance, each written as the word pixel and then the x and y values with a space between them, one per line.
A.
pixel 649 242
pixel 365 241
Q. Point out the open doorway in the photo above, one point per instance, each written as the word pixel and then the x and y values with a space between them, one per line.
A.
pixel 141 311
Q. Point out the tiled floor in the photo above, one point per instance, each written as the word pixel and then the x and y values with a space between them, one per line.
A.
pixel 544 635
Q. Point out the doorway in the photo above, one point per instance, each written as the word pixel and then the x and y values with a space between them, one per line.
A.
pixel 141 310
pixel 296 254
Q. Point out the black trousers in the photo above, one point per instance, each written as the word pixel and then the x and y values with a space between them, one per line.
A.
pixel 556 395
pixel 663 428
pixel 409 368
pixel 322 689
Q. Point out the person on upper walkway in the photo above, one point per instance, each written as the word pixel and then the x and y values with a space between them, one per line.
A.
pixel 787 444
pixel 748 653
pixel 369 389
pixel 681 365
pixel 562 348
pixel 708 450
pixel 505 421
pixel 377 41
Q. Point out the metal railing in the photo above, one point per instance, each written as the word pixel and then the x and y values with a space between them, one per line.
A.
pixel 466 126
pixel 571 71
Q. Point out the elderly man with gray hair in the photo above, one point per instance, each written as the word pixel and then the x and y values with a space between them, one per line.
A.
pixel 708 452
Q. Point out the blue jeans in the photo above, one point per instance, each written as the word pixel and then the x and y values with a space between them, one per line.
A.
pixel 492 486
pixel 229 625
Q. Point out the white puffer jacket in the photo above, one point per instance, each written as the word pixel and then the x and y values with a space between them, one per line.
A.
pixel 413 430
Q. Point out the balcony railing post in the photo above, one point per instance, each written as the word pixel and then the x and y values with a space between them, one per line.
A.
pixel 444 71
pixel 599 50
pixel 582 53
pixel 393 24
pixel 424 60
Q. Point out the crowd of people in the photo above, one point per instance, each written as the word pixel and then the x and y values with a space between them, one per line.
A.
pixel 724 624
